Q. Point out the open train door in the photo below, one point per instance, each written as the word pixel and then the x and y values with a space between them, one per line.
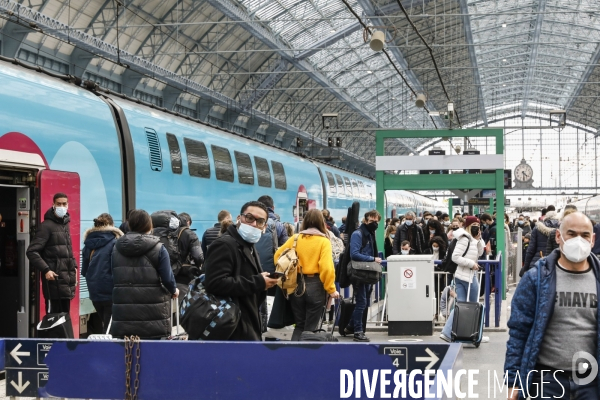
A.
pixel 49 183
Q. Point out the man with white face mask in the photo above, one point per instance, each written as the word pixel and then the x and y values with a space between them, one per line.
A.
pixel 411 232
pixel 554 320
pixel 233 269
pixel 51 253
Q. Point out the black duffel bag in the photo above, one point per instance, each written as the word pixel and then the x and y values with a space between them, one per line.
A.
pixel 55 325
pixel 319 336
pixel 205 316
pixel 368 272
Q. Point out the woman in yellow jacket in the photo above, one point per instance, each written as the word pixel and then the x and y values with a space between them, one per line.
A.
pixel 314 255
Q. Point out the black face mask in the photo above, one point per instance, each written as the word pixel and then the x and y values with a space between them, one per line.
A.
pixel 474 231
pixel 372 226
pixel 454 228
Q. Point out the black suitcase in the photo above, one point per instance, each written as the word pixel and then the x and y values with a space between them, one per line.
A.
pixel 467 326
pixel 345 314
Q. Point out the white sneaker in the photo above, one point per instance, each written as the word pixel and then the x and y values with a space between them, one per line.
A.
pixel 485 339
pixel 445 338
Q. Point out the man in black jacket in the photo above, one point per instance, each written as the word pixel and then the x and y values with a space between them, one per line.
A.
pixel 51 253
pixel 410 232
pixel 211 234
pixel 233 269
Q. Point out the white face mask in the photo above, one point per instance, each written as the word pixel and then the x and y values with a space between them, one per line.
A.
pixel 60 211
pixel 436 249
pixel 405 252
pixel 432 231
pixel 576 249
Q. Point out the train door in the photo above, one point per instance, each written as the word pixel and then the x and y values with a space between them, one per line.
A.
pixel 301 206
pixel 18 172
pixel 49 183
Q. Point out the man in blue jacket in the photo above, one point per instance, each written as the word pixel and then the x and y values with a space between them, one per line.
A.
pixel 554 323
pixel 363 247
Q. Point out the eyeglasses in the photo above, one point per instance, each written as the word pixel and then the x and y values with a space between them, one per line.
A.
pixel 260 222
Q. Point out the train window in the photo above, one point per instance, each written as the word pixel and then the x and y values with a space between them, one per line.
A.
pixel 197 156
pixel 223 165
pixel 355 189
pixel 363 194
pixel 279 173
pixel 331 182
pixel 348 187
pixel 244 167
pixel 175 153
pixel 263 172
pixel 340 184
pixel 154 150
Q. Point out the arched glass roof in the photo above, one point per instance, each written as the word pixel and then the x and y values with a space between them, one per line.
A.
pixel 284 63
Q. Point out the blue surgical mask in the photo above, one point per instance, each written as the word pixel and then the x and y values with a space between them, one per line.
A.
pixel 408 222
pixel 521 222
pixel 392 235
pixel 60 211
pixel 249 233
pixel 405 252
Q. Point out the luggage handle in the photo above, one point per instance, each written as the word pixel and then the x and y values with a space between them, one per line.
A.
pixel 470 281
pixel 426 290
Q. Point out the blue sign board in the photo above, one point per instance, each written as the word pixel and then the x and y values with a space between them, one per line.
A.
pixel 26 369
pixel 212 370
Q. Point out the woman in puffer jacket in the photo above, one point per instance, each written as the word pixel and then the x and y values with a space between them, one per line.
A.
pixel 466 261
pixel 96 265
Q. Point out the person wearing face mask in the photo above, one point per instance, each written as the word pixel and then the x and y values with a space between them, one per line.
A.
pixel 363 247
pixel 524 225
pixel 51 253
pixel 233 269
pixel 313 247
pixel 454 226
pixel 390 234
pixel 411 232
pixel 434 229
pixel 143 282
pixel 554 316
pixel 469 247
pixel 539 239
pixel 405 248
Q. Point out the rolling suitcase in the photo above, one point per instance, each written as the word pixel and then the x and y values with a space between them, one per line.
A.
pixel 346 309
pixel 467 326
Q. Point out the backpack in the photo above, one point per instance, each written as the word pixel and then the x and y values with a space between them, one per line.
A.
pixel 288 264
pixel 337 246
pixel 267 246
pixel 448 265
pixel 170 239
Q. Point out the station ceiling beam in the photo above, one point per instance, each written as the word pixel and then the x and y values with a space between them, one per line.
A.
pixel 464 9
pixel 533 57
pixel 584 79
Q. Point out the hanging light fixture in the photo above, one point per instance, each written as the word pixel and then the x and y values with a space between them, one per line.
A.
pixel 421 100
pixel 377 41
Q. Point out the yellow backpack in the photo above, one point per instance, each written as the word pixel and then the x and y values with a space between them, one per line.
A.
pixel 289 265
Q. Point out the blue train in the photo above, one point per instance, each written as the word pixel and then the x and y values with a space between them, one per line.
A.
pixel 110 154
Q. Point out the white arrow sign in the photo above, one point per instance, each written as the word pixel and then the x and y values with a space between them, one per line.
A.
pixel 432 360
pixel 16 353
pixel 20 387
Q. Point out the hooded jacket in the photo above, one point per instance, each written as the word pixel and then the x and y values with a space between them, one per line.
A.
pixel 233 269
pixel 143 285
pixel 96 266
pixel 539 239
pixel 52 250
pixel 531 310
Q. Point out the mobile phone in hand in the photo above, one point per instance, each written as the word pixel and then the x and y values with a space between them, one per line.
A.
pixel 275 275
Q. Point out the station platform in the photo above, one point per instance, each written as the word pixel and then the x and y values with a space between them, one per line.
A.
pixel 488 359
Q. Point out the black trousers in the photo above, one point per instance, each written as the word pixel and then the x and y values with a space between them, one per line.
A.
pixel 104 310
pixel 308 308
pixel 58 305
